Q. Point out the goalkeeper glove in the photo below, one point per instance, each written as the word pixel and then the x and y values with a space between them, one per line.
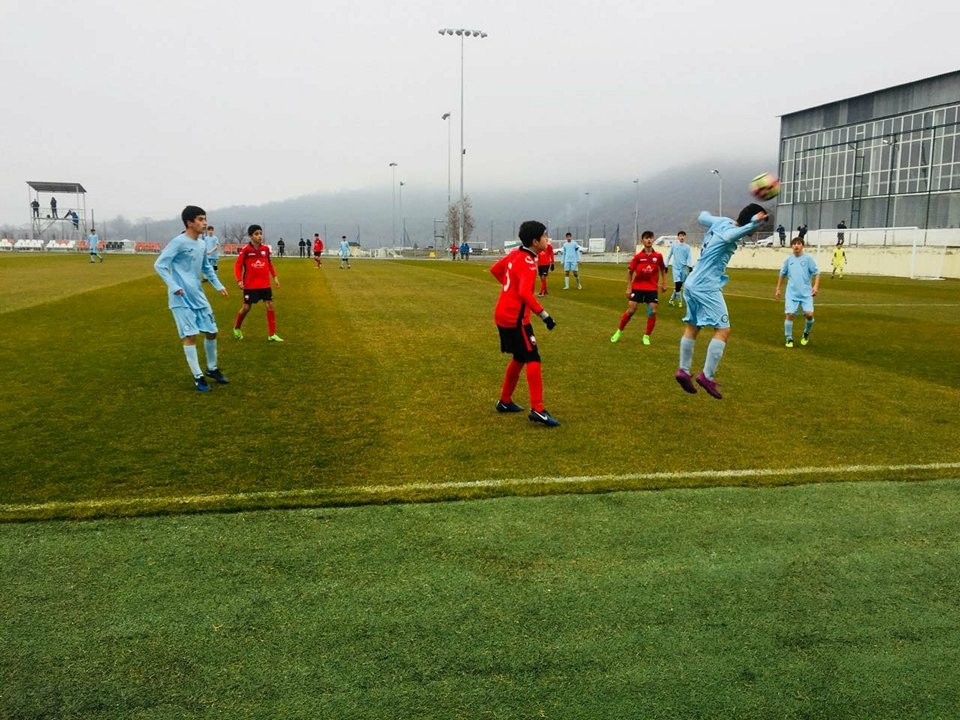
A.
pixel 547 320
pixel 552 268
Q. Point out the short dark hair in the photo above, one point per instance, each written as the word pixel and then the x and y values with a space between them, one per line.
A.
pixel 210 227
pixel 531 230
pixel 746 215
pixel 252 229
pixel 798 239
pixel 343 237
pixel 569 235
pixel 681 232
pixel 646 234
pixel 191 213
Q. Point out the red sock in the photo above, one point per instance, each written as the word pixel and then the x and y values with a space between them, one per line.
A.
pixel 651 321
pixel 510 378
pixel 271 322
pixel 543 285
pixel 624 319
pixel 535 382
pixel 239 321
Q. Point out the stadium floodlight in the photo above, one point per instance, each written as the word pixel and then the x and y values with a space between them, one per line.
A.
pixel 462 33
pixel 393 192
pixel 716 172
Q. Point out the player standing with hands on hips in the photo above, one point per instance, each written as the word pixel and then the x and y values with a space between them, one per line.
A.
pixel 703 292
pixel 253 271
pixel 517 272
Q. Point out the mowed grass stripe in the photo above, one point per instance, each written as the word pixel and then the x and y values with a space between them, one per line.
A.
pixel 649 480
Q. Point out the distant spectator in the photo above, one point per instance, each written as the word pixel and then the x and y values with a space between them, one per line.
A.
pixel 802 232
pixel 36 209
pixel 303 247
pixel 280 246
pixel 465 251
pixel 782 232
pixel 74 218
pixel 53 207
pixel 840 234
pixel 453 251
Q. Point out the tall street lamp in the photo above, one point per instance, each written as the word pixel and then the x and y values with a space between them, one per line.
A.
pixel 636 213
pixel 393 195
pixel 462 33
pixel 446 116
pixel 403 222
pixel 588 218
pixel 720 201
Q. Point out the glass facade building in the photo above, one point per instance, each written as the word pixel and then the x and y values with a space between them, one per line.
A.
pixel 890 158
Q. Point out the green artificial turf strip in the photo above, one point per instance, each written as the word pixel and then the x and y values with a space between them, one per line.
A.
pixel 389 376
pixel 821 601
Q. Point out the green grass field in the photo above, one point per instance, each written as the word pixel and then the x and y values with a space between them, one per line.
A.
pixel 834 599
pixel 384 391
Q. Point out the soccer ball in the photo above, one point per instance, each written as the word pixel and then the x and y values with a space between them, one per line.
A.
pixel 765 186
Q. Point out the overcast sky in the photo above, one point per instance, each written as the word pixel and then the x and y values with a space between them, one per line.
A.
pixel 155 105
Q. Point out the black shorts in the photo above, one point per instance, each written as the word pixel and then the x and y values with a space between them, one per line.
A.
pixel 520 342
pixel 542 270
pixel 252 297
pixel 644 296
pixel 318 253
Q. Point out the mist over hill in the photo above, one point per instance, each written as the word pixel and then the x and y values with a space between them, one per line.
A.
pixel 668 201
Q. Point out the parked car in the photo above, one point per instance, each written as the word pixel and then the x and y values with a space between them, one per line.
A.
pixel 765 242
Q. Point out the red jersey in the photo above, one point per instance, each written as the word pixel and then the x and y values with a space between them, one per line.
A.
pixel 317 245
pixel 253 267
pixel 517 272
pixel 646 269
pixel 545 257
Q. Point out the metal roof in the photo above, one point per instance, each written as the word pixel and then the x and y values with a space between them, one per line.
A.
pixel 56 187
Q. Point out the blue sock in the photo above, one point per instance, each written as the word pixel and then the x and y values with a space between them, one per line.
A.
pixel 808 326
pixel 788 329
pixel 191 352
pixel 686 352
pixel 210 348
pixel 714 353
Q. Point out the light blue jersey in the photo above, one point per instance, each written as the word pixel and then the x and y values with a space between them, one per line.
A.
pixel 94 242
pixel 799 271
pixel 570 252
pixel 679 259
pixel 705 303
pixel 719 244
pixel 180 265
pixel 213 246
pixel 344 250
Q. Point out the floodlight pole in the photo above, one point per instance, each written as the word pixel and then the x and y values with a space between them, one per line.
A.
pixel 393 194
pixel 588 219
pixel 636 213
pixel 463 33
pixel 720 199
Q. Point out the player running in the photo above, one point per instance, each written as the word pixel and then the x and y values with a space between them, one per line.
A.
pixel 517 272
pixel 679 260
pixel 799 269
pixel 642 275
pixel 253 271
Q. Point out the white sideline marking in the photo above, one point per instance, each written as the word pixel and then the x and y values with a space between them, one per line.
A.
pixel 374 490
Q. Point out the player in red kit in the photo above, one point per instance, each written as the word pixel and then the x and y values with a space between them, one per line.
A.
pixel 642 274
pixel 318 250
pixel 253 271
pixel 544 266
pixel 517 272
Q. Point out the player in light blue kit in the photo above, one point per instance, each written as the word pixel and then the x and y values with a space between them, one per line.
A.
pixel 213 247
pixel 344 252
pixel 93 240
pixel 570 253
pixel 180 265
pixel 799 269
pixel 679 259
pixel 703 293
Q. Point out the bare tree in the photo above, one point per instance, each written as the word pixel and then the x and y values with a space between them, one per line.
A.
pixel 233 234
pixel 453 220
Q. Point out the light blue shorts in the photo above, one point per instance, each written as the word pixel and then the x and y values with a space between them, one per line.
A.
pixel 706 308
pixel 679 273
pixel 571 267
pixel 193 322
pixel 805 303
